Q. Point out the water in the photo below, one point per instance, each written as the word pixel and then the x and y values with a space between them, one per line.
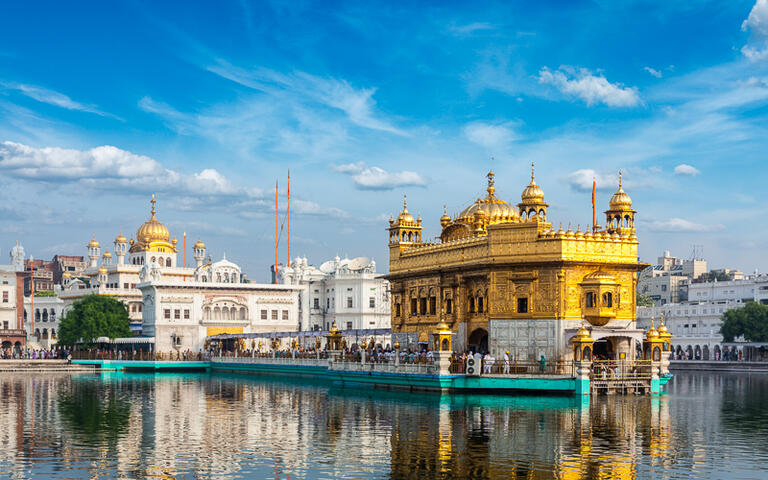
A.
pixel 228 426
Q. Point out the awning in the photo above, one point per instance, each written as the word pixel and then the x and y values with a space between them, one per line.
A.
pixel 135 340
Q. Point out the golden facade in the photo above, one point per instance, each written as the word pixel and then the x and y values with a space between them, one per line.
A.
pixel 503 278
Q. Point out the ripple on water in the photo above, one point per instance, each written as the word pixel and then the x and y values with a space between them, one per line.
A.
pixel 234 426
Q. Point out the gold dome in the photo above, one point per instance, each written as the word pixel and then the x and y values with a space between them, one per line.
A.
pixel 93 243
pixel 153 236
pixel 107 255
pixel 494 209
pixel 66 275
pixel 102 269
pixel 405 216
pixel 199 243
pixel 651 333
pixel 445 219
pixel 120 238
pixel 532 193
pixel 620 200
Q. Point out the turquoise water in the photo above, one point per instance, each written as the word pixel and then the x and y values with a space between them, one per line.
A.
pixel 227 426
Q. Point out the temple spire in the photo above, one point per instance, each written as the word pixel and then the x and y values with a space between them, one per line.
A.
pixel 153 204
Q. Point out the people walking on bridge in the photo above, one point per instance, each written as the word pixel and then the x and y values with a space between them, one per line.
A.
pixel 506 362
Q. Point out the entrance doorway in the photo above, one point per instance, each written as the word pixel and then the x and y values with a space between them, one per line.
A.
pixel 603 350
pixel 478 340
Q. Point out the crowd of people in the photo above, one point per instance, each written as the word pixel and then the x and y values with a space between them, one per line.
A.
pixel 34 354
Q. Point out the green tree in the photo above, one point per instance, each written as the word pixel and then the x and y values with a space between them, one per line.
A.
pixel 644 300
pixel 751 321
pixel 714 275
pixel 92 317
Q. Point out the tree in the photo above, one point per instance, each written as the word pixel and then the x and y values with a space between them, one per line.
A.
pixel 644 300
pixel 714 275
pixel 92 317
pixel 751 321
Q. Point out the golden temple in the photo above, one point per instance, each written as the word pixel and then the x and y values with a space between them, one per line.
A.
pixel 503 279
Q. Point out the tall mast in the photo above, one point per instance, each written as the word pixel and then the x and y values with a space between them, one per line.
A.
pixel 289 217
pixel 274 279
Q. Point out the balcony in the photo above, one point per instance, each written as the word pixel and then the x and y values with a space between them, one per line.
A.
pixel 12 332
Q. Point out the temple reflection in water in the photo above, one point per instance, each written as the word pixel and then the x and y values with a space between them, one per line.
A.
pixel 175 426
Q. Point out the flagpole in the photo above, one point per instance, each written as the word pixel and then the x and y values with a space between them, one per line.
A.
pixel 274 269
pixel 289 217
pixel 594 217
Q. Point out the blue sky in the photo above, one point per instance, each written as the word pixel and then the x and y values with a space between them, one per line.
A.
pixel 207 105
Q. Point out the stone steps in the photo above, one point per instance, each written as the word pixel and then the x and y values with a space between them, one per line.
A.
pixel 42 366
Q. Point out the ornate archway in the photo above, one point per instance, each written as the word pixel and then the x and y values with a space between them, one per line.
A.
pixel 478 340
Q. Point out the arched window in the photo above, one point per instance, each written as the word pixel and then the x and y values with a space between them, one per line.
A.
pixel 45 315
pixel 168 262
pixel 45 334
pixel 37 314
pixel 243 313
pixel 37 332
pixel 410 236
pixel 607 299
pixel 405 237
pixel 218 278
pixel 53 333
pixel 217 313
pixel 590 301
pixel 541 213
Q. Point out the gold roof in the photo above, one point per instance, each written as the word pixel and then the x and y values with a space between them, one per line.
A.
pixel 493 208
pixel 532 193
pixel 620 200
pixel 120 238
pixel 107 255
pixel 405 216
pixel 151 234
pixel 152 230
pixel 93 243
pixel 199 243
pixel 102 269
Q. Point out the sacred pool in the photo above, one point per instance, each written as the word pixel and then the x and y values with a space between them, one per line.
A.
pixel 213 425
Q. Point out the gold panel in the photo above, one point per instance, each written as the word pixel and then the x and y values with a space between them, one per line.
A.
pixel 223 331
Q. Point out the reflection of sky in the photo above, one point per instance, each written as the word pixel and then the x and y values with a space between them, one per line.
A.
pixel 188 426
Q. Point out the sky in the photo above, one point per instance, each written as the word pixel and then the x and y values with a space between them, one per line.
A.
pixel 208 104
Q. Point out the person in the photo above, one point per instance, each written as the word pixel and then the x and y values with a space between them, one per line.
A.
pixel 506 362
pixel 487 363
pixel 542 363
pixel 69 358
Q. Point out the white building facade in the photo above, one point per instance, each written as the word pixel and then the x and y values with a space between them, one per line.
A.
pixel 117 275
pixel 47 312
pixel 695 324
pixel 348 293
pixel 180 313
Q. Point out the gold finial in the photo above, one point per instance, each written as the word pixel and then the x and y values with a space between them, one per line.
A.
pixel 491 187
pixel 662 319
pixel 405 202
pixel 532 172
pixel 619 178
pixel 445 209
pixel 153 204
pixel 652 323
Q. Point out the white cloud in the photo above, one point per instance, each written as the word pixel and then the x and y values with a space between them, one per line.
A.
pixel 110 167
pixel 592 89
pixel 581 180
pixel 52 97
pixel 633 178
pixel 376 178
pixel 757 24
pixel 496 137
pixel 351 168
pixel 679 225
pixel 685 169
pixel 653 72
pixel 469 29
pixel 357 104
